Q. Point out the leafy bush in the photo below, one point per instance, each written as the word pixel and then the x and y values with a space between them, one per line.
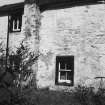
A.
pixel 83 95
pixel 20 63
pixel 2 59
pixel 17 81
pixel 99 97
pixel 17 74
pixel 87 96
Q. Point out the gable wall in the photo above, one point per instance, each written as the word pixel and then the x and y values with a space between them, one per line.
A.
pixel 77 31
pixel 14 37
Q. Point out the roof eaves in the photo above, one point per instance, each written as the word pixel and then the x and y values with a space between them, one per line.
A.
pixel 10 7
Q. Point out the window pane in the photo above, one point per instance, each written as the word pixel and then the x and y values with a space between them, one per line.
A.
pixel 20 22
pixel 68 75
pixel 62 75
pixel 62 65
pixel 68 66
pixel 65 70
pixel 15 24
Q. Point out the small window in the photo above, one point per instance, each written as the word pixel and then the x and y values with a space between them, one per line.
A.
pixel 15 22
pixel 64 70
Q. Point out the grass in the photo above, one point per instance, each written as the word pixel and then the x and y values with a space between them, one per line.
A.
pixel 46 97
pixel 80 96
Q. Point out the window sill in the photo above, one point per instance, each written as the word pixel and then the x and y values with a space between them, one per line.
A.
pixel 64 84
pixel 15 31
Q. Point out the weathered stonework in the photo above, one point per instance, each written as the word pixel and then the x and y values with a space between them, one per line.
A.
pixel 31 31
pixel 77 31
pixel 3 30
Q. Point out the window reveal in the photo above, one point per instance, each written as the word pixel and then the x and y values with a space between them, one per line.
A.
pixel 64 70
pixel 15 22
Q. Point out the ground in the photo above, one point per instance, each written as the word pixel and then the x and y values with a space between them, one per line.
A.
pixel 31 96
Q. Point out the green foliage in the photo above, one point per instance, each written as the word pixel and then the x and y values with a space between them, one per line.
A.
pixel 18 74
pixel 99 97
pixel 2 58
pixel 17 78
pixel 21 64
pixel 84 95
pixel 87 96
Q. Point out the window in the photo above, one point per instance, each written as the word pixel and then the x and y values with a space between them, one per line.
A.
pixel 15 22
pixel 64 70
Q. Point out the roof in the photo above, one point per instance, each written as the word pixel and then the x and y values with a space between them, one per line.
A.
pixel 56 4
pixel 9 5
pixel 8 2
pixel 44 2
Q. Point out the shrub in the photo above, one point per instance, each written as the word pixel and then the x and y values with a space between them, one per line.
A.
pixel 2 59
pixel 20 63
pixel 87 96
pixel 99 98
pixel 17 74
pixel 83 95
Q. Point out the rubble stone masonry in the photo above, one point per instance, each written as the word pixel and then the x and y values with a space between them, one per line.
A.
pixel 30 30
pixel 77 31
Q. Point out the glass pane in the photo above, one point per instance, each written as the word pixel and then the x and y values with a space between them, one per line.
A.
pixel 62 75
pixel 68 75
pixel 19 23
pixel 68 66
pixel 15 24
pixel 62 65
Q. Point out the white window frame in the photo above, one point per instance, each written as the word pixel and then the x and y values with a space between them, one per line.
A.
pixel 59 74
pixel 17 25
pixel 15 21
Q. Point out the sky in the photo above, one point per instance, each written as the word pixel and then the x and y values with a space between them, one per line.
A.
pixel 5 2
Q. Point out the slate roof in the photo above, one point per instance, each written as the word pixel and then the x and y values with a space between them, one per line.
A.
pixel 44 4
pixel 8 2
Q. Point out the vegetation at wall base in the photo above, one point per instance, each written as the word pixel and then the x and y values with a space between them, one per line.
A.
pixel 16 84
pixel 17 74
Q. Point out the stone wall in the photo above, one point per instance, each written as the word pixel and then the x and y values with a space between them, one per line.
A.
pixel 3 30
pixel 77 31
pixel 14 38
pixel 31 25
